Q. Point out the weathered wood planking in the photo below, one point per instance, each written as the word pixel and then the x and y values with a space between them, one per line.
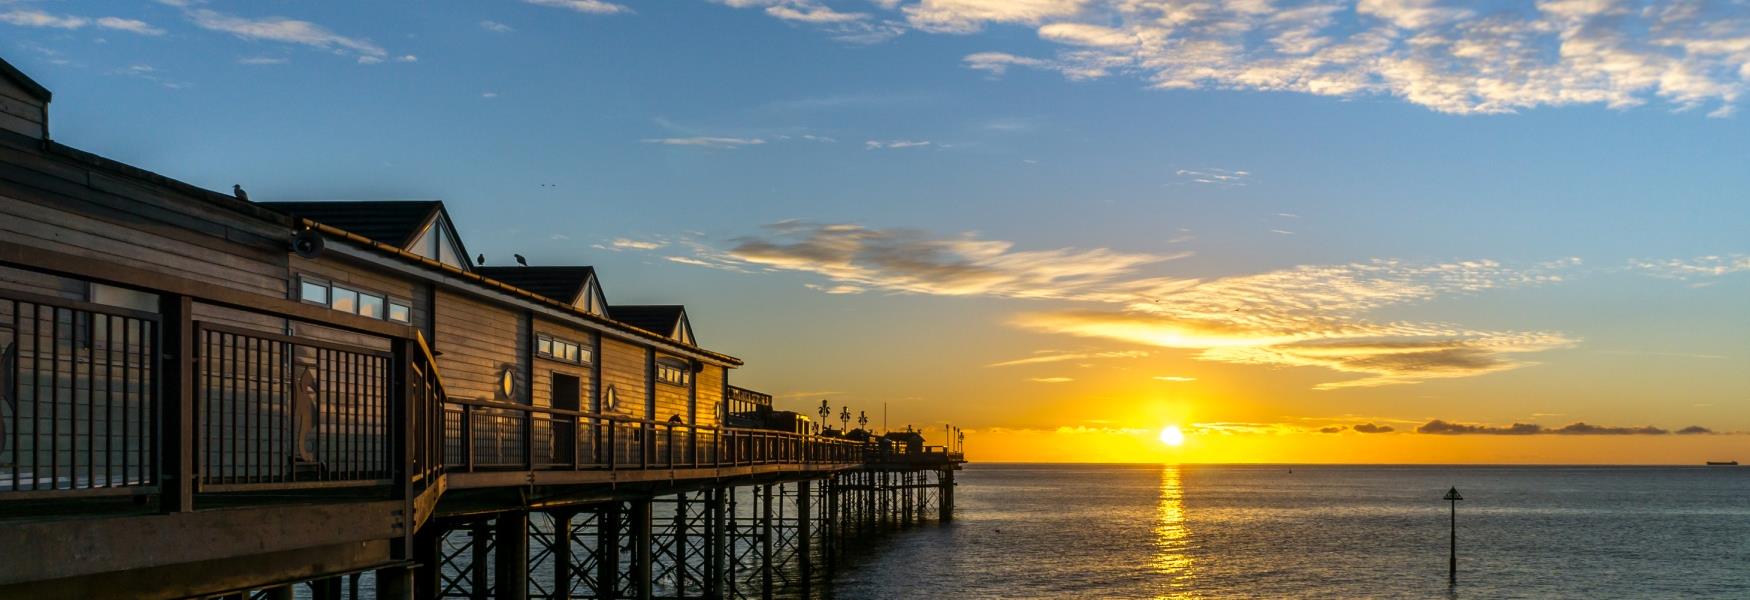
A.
pixel 477 342
pixel 20 113
pixel 623 367
pixel 709 383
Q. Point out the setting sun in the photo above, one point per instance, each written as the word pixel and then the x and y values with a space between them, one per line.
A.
pixel 1171 436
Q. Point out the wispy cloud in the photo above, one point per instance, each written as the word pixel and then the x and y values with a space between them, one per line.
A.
pixel 631 244
pixel 1174 378
pixel 1050 379
pixel 292 31
pixel 597 7
pixel 894 144
pixel 1440 427
pixel 1046 357
pixel 1211 176
pixel 912 261
pixel 262 60
pixel 1691 269
pixel 1314 316
pixel 496 27
pixel 24 17
pixel 726 143
pixel 1441 54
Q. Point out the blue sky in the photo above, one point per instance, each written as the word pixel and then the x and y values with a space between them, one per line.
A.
pixel 1390 209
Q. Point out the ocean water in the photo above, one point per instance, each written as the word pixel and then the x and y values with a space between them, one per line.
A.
pixel 1088 531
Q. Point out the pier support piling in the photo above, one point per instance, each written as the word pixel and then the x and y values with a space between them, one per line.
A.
pixel 945 496
pixel 511 547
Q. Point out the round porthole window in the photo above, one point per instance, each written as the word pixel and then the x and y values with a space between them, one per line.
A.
pixel 507 383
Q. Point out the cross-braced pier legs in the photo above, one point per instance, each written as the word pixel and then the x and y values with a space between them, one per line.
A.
pixel 779 539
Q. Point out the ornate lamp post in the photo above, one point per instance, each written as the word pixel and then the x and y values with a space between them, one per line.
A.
pixel 863 420
pixel 825 411
pixel 844 418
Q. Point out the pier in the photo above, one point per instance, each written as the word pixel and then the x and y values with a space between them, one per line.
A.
pixel 205 396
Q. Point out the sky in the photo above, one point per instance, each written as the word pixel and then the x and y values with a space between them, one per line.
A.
pixel 1380 231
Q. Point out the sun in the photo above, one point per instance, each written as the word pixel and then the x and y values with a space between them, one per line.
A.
pixel 1171 436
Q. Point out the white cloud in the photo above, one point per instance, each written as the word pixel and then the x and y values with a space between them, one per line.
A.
pixel 631 244
pixel 262 60
pixel 35 18
pixel 1055 357
pixel 598 7
pixel 1219 177
pixel 129 25
pixel 727 143
pixel 1175 378
pixel 496 27
pixel 291 31
pixel 812 13
pixel 894 144
pixel 1050 379
pixel 1446 55
pixel 1686 269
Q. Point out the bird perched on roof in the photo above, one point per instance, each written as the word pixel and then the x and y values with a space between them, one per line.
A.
pixel 520 260
pixel 237 190
pixel 480 260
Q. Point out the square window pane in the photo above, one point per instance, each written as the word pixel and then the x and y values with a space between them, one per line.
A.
pixel 371 306
pixel 312 291
pixel 571 352
pixel 400 313
pixel 345 300
pixel 584 355
pixel 544 346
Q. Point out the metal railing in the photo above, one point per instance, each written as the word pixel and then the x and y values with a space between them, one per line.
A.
pixel 275 409
pixel 78 397
pixel 482 435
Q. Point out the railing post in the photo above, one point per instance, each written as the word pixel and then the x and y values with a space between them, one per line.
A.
pixel 176 420
pixel 402 408
pixel 467 438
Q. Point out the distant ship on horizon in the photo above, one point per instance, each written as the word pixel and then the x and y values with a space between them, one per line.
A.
pixel 1722 463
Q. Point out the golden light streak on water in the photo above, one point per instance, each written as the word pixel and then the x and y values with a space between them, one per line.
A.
pixel 1172 557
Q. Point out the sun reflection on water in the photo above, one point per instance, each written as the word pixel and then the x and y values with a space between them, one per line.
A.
pixel 1172 560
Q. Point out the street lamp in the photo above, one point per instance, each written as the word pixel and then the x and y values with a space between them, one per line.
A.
pixel 825 411
pixel 1452 557
pixel 844 417
pixel 863 420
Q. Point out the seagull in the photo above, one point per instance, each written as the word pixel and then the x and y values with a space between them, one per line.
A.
pixel 480 260
pixel 237 190
pixel 520 260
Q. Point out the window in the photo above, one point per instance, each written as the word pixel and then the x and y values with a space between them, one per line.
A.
pixel 399 312
pixel 370 305
pixel 313 291
pixel 560 349
pixel 344 300
pixel 348 300
pixel 673 372
pixel 435 243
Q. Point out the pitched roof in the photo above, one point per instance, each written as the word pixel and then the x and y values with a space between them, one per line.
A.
pixel 392 222
pixel 559 283
pixel 30 86
pixel 655 318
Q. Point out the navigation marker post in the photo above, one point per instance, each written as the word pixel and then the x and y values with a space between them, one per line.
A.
pixel 1452 557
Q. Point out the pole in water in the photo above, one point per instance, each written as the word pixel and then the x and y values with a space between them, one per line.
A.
pixel 1452 557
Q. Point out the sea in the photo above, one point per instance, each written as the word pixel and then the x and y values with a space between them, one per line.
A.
pixel 1299 531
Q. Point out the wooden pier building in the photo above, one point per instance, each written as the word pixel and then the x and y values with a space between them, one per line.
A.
pixel 202 396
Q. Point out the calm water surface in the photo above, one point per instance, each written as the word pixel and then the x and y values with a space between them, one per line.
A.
pixel 1088 531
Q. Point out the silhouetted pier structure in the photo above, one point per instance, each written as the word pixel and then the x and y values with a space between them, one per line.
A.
pixel 202 396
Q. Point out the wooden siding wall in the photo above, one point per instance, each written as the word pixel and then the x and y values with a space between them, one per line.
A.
pixel 42 284
pixel 50 203
pixel 623 366
pixel 545 368
pixel 710 384
pixel 477 341
pixel 672 400
pixel 19 113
